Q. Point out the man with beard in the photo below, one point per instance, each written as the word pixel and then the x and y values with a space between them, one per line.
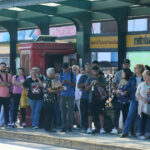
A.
pixel 5 87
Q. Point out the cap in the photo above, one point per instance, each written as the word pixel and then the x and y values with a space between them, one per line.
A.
pixel 126 61
pixel 65 65
pixel 95 68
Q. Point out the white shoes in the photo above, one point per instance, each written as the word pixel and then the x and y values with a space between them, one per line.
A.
pixel 138 134
pixel 24 125
pixel 89 131
pixel 114 131
pixel 142 137
pixel 102 131
pixel 36 127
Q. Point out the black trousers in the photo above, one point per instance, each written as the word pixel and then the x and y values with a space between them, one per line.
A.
pixel 118 108
pixel 6 103
pixel 16 103
pixel 143 123
pixel 84 113
pixel 49 114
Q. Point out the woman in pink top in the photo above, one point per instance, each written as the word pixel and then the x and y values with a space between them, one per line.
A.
pixel 17 81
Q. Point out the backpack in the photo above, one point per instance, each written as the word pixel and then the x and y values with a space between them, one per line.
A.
pixel 18 76
pixel 3 79
pixel 10 89
pixel 61 75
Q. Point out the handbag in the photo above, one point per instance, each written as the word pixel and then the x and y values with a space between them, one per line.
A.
pixel 24 100
pixel 103 94
pixel 100 93
pixel 146 109
pixel 56 85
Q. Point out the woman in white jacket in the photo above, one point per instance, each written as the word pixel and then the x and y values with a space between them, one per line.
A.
pixel 143 96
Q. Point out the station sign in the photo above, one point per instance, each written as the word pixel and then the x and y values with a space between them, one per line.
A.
pixel 103 42
pixel 136 40
pixel 140 40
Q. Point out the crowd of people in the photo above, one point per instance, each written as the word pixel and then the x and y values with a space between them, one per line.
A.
pixel 78 97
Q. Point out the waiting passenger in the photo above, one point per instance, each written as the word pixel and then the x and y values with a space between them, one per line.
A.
pixel 17 82
pixel 34 86
pixel 122 103
pixel 77 113
pixel 143 96
pixel 84 97
pixel 68 79
pixel 131 88
pixel 5 91
pixel 96 105
pixel 50 98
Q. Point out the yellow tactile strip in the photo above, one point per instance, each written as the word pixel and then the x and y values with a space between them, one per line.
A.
pixel 51 140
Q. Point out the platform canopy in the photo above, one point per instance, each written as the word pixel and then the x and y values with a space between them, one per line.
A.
pixel 29 14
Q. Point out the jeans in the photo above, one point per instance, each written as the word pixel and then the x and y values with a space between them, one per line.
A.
pixel 132 114
pixel 6 103
pixel 2 116
pixel 36 106
pixel 16 103
pixel 84 113
pixel 49 114
pixel 57 118
pixel 67 107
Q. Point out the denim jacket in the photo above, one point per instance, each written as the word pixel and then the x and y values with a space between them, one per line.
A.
pixel 131 87
pixel 123 99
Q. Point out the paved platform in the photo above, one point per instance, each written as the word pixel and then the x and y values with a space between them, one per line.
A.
pixel 75 139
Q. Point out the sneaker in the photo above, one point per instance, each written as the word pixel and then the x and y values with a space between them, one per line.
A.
pixel 2 125
pixel 142 137
pixel 89 131
pixel 36 127
pixel 102 131
pixel 24 125
pixel 13 125
pixel 138 134
pixel 114 131
pixel 124 135
pixel 7 126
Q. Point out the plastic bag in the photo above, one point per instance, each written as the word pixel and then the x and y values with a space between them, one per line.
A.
pixel 146 109
pixel 24 100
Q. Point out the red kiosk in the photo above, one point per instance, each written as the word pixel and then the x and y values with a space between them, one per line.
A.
pixel 45 54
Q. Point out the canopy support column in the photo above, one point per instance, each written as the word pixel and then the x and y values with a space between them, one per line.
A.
pixel 12 28
pixel 44 28
pixel 83 26
pixel 122 21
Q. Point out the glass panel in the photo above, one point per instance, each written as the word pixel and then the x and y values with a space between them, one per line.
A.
pixel 28 34
pixel 137 25
pixel 96 28
pixel 139 57
pixel 4 37
pixel 63 31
